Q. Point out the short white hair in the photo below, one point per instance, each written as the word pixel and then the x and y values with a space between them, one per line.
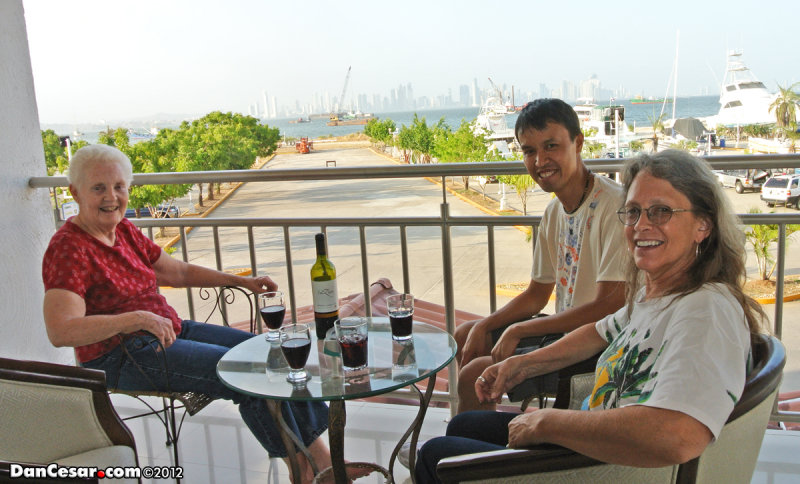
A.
pixel 97 153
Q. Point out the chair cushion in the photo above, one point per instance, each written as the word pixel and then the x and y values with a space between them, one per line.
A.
pixel 116 455
pixel 40 423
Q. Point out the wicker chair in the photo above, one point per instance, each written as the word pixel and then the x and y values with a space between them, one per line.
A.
pixel 59 414
pixel 730 459
pixel 192 402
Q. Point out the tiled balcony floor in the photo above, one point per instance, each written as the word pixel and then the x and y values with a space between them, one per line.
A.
pixel 216 447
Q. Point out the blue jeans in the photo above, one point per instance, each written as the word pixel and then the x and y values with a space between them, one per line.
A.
pixel 467 433
pixel 192 366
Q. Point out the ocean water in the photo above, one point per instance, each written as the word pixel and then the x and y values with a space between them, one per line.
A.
pixel 697 106
pixel 635 114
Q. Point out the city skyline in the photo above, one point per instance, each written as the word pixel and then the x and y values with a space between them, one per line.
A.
pixel 94 60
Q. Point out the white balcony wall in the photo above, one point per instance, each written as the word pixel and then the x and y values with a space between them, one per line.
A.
pixel 26 221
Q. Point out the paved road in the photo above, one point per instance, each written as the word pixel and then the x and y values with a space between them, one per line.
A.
pixel 397 197
pixel 346 198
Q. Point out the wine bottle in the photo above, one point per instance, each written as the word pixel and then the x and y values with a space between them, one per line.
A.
pixel 323 288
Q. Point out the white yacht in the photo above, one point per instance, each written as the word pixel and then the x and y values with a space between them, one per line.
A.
pixel 492 121
pixel 743 98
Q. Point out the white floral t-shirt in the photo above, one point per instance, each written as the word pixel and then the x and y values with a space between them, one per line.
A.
pixel 687 354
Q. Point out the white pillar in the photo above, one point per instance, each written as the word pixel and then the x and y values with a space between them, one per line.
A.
pixel 25 214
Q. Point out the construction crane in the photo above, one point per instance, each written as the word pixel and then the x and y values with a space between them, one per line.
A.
pixel 499 92
pixel 344 90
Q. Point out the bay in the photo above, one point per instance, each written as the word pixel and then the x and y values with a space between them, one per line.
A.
pixel 635 114
pixel 695 106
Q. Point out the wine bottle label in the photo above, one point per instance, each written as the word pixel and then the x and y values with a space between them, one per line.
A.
pixel 326 297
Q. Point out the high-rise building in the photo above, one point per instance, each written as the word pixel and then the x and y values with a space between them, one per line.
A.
pixel 463 95
pixel 476 99
pixel 266 105
pixel 543 91
pixel 273 113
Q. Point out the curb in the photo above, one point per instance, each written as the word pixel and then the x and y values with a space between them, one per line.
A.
pixel 773 300
pixel 522 229
pixel 514 293
pixel 216 204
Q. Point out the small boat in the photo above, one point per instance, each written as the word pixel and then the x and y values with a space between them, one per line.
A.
pixel 299 120
pixel 649 100
pixel 349 119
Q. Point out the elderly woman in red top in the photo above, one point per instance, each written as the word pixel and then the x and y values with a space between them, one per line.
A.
pixel 101 276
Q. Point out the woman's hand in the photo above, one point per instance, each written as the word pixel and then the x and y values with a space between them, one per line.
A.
pixel 478 343
pixel 158 326
pixel 258 284
pixel 499 378
pixel 522 430
pixel 507 344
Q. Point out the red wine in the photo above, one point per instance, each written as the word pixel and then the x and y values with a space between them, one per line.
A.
pixel 354 350
pixel 401 323
pixel 296 351
pixel 273 316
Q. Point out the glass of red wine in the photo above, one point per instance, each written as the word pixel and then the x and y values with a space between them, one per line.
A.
pixel 352 335
pixel 296 345
pixel 272 309
pixel 401 314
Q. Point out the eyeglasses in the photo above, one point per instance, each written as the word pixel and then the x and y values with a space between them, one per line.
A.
pixel 657 214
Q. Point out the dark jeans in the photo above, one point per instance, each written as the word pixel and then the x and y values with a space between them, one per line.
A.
pixel 191 365
pixel 467 433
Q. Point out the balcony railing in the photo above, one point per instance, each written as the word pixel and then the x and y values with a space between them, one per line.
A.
pixel 444 221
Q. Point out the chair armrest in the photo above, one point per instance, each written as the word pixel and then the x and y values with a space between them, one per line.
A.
pixel 511 462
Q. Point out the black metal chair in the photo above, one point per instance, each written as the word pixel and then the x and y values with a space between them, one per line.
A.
pixel 731 458
pixel 192 402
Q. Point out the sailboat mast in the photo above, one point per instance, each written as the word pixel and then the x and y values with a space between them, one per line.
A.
pixel 675 82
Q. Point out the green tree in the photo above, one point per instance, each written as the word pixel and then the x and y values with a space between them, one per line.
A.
pixel 658 127
pixel 785 105
pixel 636 145
pixel 792 134
pixel 55 155
pixel 592 149
pixel 419 138
pixel 521 184
pixel 380 131
pixel 761 237
pixel 156 156
pixel 223 141
pixel 463 145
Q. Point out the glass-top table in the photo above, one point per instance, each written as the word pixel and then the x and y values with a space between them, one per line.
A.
pixel 257 367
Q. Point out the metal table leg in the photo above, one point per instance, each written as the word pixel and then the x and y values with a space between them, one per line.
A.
pixel 337 417
pixel 290 441
pixel 414 429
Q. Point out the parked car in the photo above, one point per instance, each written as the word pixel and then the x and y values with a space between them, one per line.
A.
pixel 782 189
pixel 742 180
pixel 165 211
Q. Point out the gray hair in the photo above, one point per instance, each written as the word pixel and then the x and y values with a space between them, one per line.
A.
pixel 88 155
pixel 722 254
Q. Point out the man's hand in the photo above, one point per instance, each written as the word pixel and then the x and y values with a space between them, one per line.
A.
pixel 478 343
pixel 507 344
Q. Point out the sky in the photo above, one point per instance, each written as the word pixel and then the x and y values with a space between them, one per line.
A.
pixel 104 60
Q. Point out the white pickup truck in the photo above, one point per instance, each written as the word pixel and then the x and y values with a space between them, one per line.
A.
pixel 742 180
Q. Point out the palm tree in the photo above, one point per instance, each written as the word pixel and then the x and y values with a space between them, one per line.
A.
pixel 785 105
pixel 658 127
